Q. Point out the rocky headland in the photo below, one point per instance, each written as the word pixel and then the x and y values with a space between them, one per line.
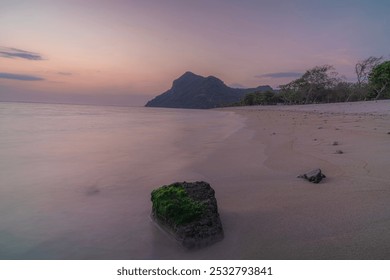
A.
pixel 197 92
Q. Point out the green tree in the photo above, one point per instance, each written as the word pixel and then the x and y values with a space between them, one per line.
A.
pixel 312 87
pixel 259 98
pixel 364 67
pixel 292 93
pixel 249 99
pixel 342 92
pixel 379 80
pixel 362 89
pixel 319 80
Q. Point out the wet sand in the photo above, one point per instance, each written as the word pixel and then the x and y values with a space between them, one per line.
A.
pixel 268 213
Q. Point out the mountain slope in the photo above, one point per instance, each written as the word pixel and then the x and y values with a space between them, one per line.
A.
pixel 197 92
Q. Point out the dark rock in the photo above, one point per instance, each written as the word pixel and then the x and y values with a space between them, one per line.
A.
pixel 205 229
pixel 197 92
pixel 314 176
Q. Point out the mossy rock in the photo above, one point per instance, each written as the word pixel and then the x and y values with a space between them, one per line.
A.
pixel 189 212
pixel 172 204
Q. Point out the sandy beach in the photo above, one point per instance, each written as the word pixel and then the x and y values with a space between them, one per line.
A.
pixel 269 213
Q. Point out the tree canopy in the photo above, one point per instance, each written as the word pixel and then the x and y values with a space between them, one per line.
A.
pixel 379 79
pixel 312 87
pixel 322 84
pixel 364 67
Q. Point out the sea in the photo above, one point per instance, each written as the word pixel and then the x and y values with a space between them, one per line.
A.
pixel 75 180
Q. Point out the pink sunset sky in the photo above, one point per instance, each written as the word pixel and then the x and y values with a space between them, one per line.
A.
pixel 125 52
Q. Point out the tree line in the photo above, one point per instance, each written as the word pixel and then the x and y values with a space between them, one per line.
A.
pixel 322 84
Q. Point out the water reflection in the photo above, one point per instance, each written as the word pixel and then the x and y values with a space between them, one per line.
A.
pixel 76 180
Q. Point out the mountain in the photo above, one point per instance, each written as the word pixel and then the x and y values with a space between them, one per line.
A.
pixel 197 92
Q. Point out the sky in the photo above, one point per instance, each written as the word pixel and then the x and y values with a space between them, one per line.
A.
pixel 119 52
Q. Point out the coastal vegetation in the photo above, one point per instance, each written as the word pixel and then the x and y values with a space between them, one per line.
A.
pixel 379 79
pixel 172 204
pixel 322 84
pixel 259 98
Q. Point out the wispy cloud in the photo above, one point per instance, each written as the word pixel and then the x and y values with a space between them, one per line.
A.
pixel 65 73
pixel 18 53
pixel 280 75
pixel 20 77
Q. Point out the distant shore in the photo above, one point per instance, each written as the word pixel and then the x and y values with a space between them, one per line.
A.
pixel 268 213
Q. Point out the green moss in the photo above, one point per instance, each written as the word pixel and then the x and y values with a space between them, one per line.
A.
pixel 173 204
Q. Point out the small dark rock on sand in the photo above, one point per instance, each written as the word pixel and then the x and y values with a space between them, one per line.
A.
pixel 315 176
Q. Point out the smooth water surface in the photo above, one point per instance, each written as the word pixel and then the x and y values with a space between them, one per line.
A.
pixel 75 181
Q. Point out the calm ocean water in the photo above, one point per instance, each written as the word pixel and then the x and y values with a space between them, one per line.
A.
pixel 75 181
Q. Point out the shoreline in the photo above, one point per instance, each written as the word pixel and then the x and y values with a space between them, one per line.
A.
pixel 375 107
pixel 268 213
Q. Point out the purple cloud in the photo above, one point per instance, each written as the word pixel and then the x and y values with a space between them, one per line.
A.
pixel 19 77
pixel 18 53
